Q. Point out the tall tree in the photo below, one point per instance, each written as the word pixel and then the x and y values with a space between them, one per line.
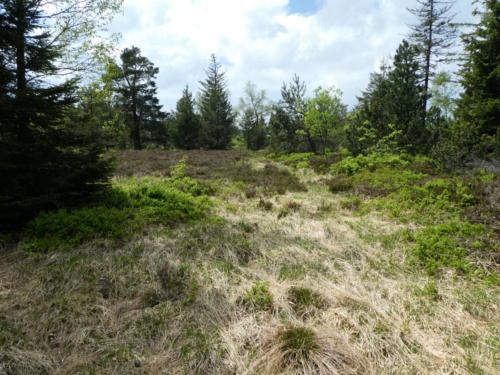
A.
pixel 44 162
pixel 325 116
pixel 391 111
pixel 188 125
pixel 137 89
pixel 434 34
pixel 215 108
pixel 406 97
pixel 294 102
pixel 479 104
pixel 253 110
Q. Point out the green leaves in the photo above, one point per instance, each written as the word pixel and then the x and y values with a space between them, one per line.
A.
pixel 325 115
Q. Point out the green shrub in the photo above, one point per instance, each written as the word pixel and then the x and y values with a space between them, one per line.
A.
pixel 339 184
pixel 63 228
pixel 257 298
pixel 124 212
pixel 447 245
pixel 355 164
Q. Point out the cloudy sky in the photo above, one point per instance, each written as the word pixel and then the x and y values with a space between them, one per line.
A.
pixel 326 42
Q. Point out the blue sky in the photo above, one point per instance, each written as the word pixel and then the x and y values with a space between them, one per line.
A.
pixel 304 6
pixel 325 42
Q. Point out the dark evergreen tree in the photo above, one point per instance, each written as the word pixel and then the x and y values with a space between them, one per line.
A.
pixel 44 163
pixel 433 35
pixel 187 121
pixel 253 110
pixel 215 108
pixel 479 104
pixel 390 113
pixel 283 131
pixel 294 102
pixel 137 90
pixel 405 99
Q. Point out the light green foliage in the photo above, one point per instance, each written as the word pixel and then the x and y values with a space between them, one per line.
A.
pixel 356 164
pixel 443 94
pixel 325 116
pixel 447 245
pixel 298 159
pixel 126 209
pixel 257 298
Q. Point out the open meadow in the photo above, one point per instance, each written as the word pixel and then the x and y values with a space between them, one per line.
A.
pixel 233 262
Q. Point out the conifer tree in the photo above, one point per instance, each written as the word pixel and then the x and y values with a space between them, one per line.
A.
pixel 294 102
pixel 479 104
pixel 215 108
pixel 188 125
pixel 405 99
pixel 253 110
pixel 137 89
pixel 433 35
pixel 44 163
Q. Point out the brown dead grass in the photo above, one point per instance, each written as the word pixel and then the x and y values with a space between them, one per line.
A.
pixel 84 311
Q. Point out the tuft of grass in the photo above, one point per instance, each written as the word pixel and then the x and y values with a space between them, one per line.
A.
pixel 298 343
pixel 303 300
pixel 352 203
pixel 257 298
pixel 177 282
pixel 265 205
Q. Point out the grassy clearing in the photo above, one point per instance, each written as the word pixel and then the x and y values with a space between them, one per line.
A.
pixel 376 265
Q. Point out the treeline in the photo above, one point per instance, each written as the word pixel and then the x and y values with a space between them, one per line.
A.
pixel 408 106
pixel 54 131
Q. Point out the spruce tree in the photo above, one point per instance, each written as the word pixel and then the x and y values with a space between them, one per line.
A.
pixel 188 125
pixel 479 104
pixel 44 162
pixel 294 102
pixel 433 35
pixel 253 110
pixel 390 112
pixel 215 108
pixel 406 98
pixel 137 90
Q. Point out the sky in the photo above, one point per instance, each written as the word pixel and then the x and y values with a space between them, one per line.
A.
pixel 326 42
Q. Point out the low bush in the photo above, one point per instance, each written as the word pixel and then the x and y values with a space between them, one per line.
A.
pixel 257 298
pixel 124 212
pixel 448 245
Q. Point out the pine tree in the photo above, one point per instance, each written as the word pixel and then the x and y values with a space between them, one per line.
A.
pixel 188 125
pixel 283 135
pixel 44 162
pixel 137 89
pixel 479 105
pixel 293 101
pixel 253 110
pixel 434 34
pixel 215 108
pixel 391 111
pixel 405 99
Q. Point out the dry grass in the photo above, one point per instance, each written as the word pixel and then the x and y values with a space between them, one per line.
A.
pixel 168 301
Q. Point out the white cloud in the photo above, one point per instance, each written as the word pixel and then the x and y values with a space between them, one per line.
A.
pixel 259 40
